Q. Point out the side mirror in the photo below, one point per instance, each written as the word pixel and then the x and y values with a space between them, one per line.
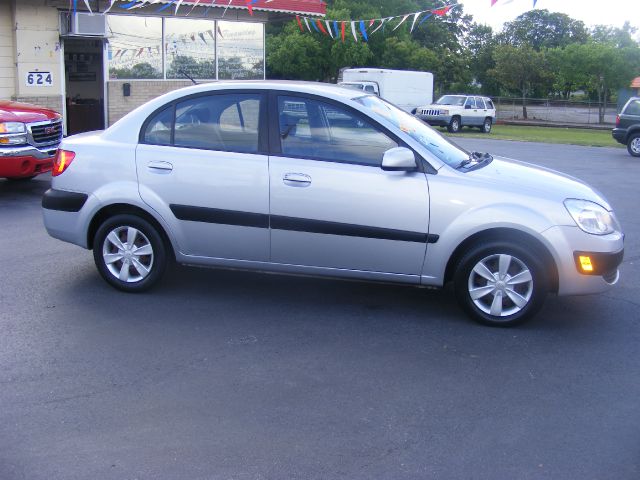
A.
pixel 399 159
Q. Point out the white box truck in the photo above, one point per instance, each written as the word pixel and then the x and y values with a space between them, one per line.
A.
pixel 404 88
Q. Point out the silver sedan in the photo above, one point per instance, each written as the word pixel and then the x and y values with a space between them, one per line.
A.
pixel 308 178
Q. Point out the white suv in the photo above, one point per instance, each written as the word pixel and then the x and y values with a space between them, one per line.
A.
pixel 457 111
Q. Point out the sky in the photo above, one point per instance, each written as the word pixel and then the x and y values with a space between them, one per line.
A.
pixel 591 12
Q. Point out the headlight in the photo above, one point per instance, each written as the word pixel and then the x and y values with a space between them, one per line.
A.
pixel 591 217
pixel 12 127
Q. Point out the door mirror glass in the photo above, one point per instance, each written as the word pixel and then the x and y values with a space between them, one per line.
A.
pixel 399 159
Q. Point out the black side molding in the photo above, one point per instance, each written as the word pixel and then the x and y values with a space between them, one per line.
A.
pixel 63 201
pixel 215 215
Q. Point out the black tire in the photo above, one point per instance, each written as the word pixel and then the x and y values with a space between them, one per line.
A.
pixel 454 125
pixel 633 145
pixel 22 179
pixel 486 125
pixel 530 294
pixel 132 277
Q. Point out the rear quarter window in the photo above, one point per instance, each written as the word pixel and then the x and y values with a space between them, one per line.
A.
pixel 633 108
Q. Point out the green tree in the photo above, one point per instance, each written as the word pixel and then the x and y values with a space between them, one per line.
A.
pixel 619 37
pixel 480 45
pixel 520 69
pixel 543 29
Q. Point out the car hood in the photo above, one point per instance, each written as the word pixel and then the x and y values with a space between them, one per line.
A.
pixel 524 178
pixel 25 113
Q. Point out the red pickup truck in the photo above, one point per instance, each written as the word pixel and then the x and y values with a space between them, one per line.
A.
pixel 29 138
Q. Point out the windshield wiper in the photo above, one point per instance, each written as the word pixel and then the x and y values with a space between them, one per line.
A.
pixel 475 160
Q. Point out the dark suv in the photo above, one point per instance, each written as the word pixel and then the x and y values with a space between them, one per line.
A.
pixel 627 129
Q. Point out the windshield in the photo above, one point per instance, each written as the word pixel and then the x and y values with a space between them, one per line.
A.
pixel 451 100
pixel 439 146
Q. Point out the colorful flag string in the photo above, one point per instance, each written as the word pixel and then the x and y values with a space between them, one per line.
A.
pixel 360 28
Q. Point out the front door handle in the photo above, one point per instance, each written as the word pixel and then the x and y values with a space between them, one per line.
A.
pixel 297 180
pixel 160 167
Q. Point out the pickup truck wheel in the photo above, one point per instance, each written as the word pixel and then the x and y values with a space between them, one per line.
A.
pixel 500 284
pixel 633 145
pixel 486 126
pixel 129 253
pixel 22 179
pixel 454 125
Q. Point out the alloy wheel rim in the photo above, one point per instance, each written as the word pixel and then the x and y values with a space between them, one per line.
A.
pixel 487 126
pixel 128 254
pixel 635 145
pixel 500 285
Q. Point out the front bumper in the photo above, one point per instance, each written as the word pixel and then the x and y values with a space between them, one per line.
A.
pixel 619 135
pixel 606 252
pixel 25 161
pixel 437 121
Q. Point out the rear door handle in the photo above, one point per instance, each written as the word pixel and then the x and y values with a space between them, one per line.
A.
pixel 160 167
pixel 296 180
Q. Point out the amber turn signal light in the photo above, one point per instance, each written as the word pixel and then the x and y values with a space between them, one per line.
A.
pixel 585 263
pixel 61 161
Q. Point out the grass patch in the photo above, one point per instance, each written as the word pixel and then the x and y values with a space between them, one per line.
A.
pixel 569 136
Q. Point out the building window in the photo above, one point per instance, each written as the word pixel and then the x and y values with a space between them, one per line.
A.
pixel 179 48
pixel 135 47
pixel 240 51
pixel 190 48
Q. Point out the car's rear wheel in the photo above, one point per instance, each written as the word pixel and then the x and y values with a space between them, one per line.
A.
pixel 129 253
pixel 633 145
pixel 500 284
pixel 486 125
pixel 454 125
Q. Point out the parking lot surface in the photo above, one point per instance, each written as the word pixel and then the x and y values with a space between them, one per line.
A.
pixel 235 375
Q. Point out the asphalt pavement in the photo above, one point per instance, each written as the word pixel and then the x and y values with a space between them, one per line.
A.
pixel 235 375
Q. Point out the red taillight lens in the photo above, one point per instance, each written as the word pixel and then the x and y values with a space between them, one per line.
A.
pixel 617 120
pixel 61 161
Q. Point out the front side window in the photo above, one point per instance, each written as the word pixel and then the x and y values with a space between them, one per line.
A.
pixel 318 130
pixel 470 103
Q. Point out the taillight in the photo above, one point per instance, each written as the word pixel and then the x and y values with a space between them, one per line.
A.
pixel 61 161
pixel 617 120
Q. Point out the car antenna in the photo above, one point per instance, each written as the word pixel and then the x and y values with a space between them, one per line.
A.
pixel 182 72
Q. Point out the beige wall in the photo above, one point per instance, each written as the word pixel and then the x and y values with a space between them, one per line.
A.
pixel 141 92
pixel 30 41
pixel 7 51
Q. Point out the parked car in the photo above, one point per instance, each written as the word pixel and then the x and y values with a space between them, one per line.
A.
pixel 29 137
pixel 457 111
pixel 307 178
pixel 627 129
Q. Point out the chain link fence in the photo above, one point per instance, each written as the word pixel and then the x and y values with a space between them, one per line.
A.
pixel 554 111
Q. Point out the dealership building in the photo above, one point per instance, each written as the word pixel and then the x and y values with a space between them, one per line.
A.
pixel 96 64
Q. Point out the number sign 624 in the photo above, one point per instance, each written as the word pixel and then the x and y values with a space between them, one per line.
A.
pixel 39 79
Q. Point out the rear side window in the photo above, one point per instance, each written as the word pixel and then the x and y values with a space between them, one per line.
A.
pixel 480 103
pixel 158 131
pixel 633 108
pixel 219 122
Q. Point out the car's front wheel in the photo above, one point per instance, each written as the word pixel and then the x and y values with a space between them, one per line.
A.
pixel 454 125
pixel 633 145
pixel 500 284
pixel 129 253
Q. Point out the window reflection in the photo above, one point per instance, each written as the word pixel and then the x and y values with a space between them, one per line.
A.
pixel 135 47
pixel 190 46
pixel 240 51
